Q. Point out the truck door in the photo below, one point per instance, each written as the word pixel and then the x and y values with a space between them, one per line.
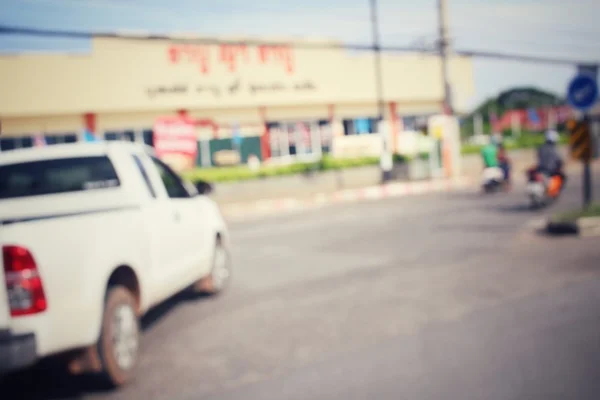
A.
pixel 161 219
pixel 188 230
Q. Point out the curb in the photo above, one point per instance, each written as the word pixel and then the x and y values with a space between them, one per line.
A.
pixel 371 193
pixel 584 227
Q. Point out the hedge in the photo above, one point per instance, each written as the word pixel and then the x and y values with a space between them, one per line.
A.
pixel 243 172
pixel 525 141
pixel 328 163
pixel 592 211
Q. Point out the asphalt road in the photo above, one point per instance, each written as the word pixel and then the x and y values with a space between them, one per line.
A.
pixel 445 296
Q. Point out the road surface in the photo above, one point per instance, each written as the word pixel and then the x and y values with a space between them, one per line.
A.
pixel 442 296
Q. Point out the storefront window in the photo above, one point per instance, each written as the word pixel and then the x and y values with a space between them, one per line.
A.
pixel 301 138
pixel 148 137
pixel 111 136
pixel 414 122
pixel 26 142
pixel 60 138
pixel 360 126
pixel 127 135
pixel 15 143
pixel 275 140
pixel 326 135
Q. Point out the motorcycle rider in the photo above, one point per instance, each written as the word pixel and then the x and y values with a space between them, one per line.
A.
pixel 489 153
pixel 504 163
pixel 549 161
pixel 494 156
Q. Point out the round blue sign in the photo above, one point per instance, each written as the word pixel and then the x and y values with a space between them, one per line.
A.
pixel 583 92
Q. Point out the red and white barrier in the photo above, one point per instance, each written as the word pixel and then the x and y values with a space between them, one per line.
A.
pixel 399 189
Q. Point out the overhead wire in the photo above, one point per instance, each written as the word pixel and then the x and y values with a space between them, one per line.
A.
pixel 146 36
pixel 528 25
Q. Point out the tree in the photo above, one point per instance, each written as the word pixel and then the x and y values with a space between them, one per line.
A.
pixel 511 99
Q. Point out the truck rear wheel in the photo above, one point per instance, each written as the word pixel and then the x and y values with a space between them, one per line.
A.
pixel 118 346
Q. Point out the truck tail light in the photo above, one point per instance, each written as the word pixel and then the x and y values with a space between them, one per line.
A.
pixel 23 282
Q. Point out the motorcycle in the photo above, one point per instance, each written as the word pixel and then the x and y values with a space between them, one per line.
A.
pixel 492 179
pixel 543 190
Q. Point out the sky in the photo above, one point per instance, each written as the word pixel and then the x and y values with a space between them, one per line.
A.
pixel 548 28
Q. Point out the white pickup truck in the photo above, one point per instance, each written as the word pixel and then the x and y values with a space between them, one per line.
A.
pixel 92 235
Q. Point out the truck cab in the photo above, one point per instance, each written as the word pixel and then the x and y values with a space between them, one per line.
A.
pixel 92 236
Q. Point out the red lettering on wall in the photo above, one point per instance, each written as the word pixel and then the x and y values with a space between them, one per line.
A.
pixel 230 55
pixel 174 54
pixel 199 55
pixel 277 54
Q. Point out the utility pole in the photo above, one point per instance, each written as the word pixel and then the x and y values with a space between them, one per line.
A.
pixel 386 160
pixel 444 47
pixel 377 55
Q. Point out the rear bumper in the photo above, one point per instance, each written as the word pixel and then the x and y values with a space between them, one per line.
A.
pixel 16 351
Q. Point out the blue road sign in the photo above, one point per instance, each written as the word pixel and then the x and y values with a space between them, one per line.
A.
pixel 583 92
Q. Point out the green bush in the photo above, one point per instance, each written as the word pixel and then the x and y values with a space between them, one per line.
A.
pixel 470 149
pixel 329 163
pixel 242 172
pixel 398 158
pixel 527 140
pixel 592 211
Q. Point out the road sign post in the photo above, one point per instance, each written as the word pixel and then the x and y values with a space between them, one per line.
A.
pixel 587 185
pixel 581 146
pixel 582 95
pixel 590 70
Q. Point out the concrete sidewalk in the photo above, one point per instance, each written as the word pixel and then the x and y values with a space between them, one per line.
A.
pixel 310 185
pixel 260 208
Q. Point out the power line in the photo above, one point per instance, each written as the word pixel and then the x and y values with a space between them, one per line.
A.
pixel 525 23
pixel 324 45
pixel 524 58
pixel 193 39
pixel 514 41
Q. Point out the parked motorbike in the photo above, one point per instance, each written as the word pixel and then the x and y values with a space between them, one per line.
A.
pixel 492 179
pixel 543 190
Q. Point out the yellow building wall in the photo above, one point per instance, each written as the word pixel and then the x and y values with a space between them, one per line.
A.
pixel 130 120
pixel 228 116
pixel 291 113
pixel 139 78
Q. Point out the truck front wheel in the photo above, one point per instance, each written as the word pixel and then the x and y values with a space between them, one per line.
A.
pixel 220 274
pixel 118 346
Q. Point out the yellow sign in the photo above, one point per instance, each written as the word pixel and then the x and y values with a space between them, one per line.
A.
pixel 226 157
pixel 580 140
pixel 438 132
pixel 357 146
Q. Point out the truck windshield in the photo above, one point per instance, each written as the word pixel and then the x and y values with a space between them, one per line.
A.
pixel 36 178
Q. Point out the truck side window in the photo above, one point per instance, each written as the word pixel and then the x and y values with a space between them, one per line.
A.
pixel 173 185
pixel 142 170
